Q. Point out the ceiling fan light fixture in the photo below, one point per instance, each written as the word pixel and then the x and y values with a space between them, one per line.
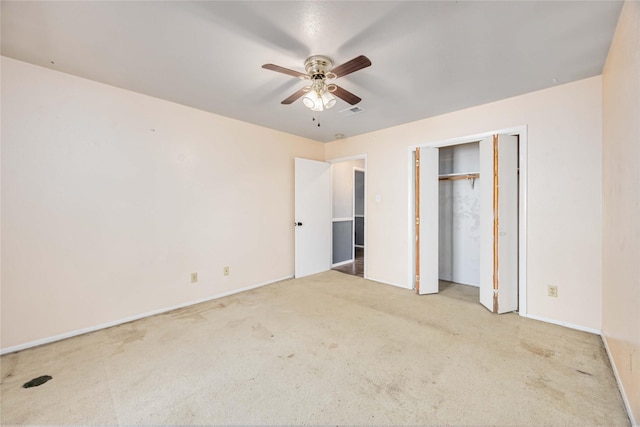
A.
pixel 328 100
pixel 319 97
pixel 308 101
pixel 313 101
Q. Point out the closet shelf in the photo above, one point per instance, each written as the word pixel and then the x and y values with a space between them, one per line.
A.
pixel 453 176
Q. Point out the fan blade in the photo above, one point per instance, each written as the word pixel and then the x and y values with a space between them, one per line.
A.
pixel 280 69
pixel 295 96
pixel 346 95
pixel 349 67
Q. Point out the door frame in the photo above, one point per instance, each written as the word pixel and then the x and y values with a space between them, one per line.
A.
pixel 353 209
pixel 521 131
pixel 366 189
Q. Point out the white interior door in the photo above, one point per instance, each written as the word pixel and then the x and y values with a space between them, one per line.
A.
pixel 428 220
pixel 312 217
pixel 499 223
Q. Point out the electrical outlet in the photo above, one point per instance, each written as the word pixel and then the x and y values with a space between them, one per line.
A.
pixel 194 277
pixel 553 291
pixel 226 271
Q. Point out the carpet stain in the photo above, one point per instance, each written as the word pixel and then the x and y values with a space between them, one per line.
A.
pixel 133 335
pixel 124 335
pixel 261 332
pixel 393 388
pixel 437 327
pixel 290 356
pixel 36 382
pixel 543 384
pixel 537 350
pixel 236 323
pixel 8 365
pixel 584 373
pixel 195 313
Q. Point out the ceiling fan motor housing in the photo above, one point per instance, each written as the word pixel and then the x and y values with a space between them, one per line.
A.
pixel 318 67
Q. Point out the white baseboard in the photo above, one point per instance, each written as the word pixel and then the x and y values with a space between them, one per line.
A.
pixel 565 324
pixel 132 318
pixel 338 264
pixel 625 399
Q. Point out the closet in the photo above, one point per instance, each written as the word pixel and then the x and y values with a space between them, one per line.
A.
pixel 459 214
pixel 466 216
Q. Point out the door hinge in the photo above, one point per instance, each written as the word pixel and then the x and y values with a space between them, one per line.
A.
pixel 417 221
pixel 417 278
pixel 417 162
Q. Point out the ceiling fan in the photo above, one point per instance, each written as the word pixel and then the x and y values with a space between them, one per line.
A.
pixel 318 95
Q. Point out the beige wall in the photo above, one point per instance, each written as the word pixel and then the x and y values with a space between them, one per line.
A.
pixel 110 199
pixel 621 204
pixel 564 193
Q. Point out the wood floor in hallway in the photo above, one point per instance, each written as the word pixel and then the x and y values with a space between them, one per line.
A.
pixel 356 267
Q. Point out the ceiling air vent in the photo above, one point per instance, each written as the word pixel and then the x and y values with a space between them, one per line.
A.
pixel 351 111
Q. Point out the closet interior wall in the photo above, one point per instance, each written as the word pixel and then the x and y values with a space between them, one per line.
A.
pixel 459 214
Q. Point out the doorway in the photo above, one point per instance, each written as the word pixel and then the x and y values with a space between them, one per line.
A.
pixel 348 222
pixel 469 210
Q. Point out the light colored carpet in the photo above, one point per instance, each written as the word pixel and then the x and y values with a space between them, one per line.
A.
pixel 326 349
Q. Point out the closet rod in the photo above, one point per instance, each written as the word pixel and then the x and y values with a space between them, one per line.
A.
pixel 465 176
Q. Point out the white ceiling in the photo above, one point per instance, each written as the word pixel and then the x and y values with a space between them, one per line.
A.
pixel 429 58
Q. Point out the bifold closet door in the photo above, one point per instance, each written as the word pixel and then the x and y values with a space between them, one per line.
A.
pixel 499 223
pixel 428 221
